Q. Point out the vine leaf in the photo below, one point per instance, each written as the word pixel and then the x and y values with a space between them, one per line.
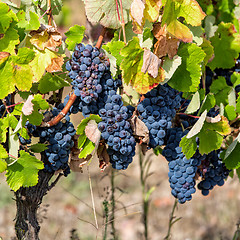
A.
pixel 190 10
pixel 151 63
pixel 194 105
pixel 227 40
pixel 7 17
pixel 3 155
pixel 187 76
pixel 141 11
pixel 105 12
pixel 231 158
pixel 51 82
pixel 210 137
pixel 24 171
pixel 32 24
pixel 38 147
pixel 208 49
pixel 132 65
pixel 85 145
pixel 74 36
pixel 170 66
pixel 166 44
pixel 36 117
pixel 220 89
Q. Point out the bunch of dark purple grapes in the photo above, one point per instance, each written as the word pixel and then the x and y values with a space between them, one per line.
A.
pixel 86 69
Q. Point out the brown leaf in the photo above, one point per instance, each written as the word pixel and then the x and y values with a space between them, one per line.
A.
pixel 56 65
pixel 92 132
pixel 4 56
pixel 46 37
pixel 166 44
pixel 139 129
pixel 151 63
pixel 103 156
pixel 27 108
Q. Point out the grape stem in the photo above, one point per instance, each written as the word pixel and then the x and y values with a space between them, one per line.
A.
pixel 73 97
pixel 188 115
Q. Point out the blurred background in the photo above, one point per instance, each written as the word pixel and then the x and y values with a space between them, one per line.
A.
pixel 67 210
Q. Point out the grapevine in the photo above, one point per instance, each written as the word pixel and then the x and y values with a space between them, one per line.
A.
pixel 161 77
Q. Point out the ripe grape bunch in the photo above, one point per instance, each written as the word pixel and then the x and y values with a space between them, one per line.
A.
pixel 86 68
pixel 2 106
pixel 157 111
pixel 182 171
pixel 59 139
pixel 116 130
pixel 213 172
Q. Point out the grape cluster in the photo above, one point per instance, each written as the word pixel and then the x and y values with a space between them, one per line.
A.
pixel 86 68
pixel 182 171
pixel 60 142
pixel 157 111
pixel 107 83
pixel 213 171
pixel 116 129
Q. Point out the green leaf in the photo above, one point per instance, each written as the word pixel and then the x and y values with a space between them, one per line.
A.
pixel 189 146
pixel 3 154
pixel 51 82
pixel 114 48
pixel 208 103
pixel 36 117
pixel 197 32
pixel 81 140
pixel 231 158
pixel 81 127
pixel 226 40
pixel 170 66
pixel 190 10
pixel 210 28
pixel 194 104
pixel 132 65
pixel 197 126
pixel 209 141
pixel 41 61
pixel 24 56
pixel 87 149
pixel 32 24
pixel 235 79
pixel 24 172
pixel 238 105
pixel 220 89
pixel 13 143
pixel 7 17
pixel 9 40
pixel 7 84
pixel 187 76
pixel 230 113
pixel 208 49
pixel 38 147
pixel 74 36
pixel 105 12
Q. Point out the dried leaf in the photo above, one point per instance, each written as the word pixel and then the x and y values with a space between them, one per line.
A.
pixel 27 108
pixel 137 11
pixel 92 132
pixel 56 65
pixel 214 120
pixel 46 37
pixel 151 63
pixel 103 156
pixel 166 44
pixel 139 129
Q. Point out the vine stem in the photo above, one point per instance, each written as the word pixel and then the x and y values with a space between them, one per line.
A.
pixel 188 115
pixel 123 23
pixel 171 220
pixel 73 97
pixel 49 13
